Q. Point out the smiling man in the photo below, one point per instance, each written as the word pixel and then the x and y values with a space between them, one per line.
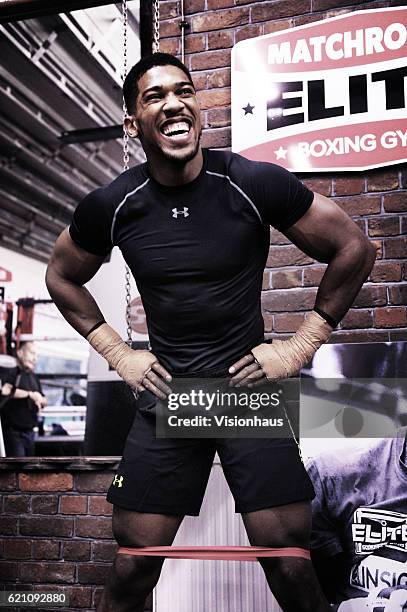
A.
pixel 176 138
pixel 193 226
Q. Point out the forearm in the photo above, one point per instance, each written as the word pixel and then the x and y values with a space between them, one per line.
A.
pixel 74 302
pixel 9 390
pixel 344 277
pixel 21 394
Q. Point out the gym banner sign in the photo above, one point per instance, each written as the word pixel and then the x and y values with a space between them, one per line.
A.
pixel 330 95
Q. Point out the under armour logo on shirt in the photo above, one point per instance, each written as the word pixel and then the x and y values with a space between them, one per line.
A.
pixel 176 213
pixel 118 480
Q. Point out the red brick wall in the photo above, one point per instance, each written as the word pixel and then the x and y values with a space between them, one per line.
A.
pixel 376 199
pixel 55 530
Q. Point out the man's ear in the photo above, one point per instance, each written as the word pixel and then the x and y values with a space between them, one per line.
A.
pixel 131 126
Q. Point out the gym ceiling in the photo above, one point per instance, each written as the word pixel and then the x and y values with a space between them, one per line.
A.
pixel 61 114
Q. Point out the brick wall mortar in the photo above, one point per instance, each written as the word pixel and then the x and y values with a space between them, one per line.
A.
pixel 40 547
pixel 365 196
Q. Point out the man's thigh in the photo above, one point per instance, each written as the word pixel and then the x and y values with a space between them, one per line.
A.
pixel 264 473
pixel 13 443
pixel 161 476
pixel 135 529
pixel 28 443
pixel 288 525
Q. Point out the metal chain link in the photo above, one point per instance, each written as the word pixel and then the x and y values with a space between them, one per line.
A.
pixel 126 156
pixel 156 26
pixel 293 434
pixel 128 305
pixel 126 159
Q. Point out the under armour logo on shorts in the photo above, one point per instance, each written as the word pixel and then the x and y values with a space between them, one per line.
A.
pixel 118 480
pixel 184 212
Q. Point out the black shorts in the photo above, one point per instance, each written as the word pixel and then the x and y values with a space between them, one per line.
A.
pixel 169 475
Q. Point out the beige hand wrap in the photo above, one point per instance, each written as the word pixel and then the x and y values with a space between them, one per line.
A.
pixel 131 365
pixel 284 358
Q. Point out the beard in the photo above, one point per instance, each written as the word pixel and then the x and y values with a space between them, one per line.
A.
pixel 175 157
pixel 182 158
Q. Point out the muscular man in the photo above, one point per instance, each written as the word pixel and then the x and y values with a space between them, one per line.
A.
pixel 359 534
pixel 193 226
pixel 25 399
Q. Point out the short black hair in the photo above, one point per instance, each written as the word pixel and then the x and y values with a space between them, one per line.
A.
pixel 130 85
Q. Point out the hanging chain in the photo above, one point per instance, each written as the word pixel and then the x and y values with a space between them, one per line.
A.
pixel 291 427
pixel 293 433
pixel 128 306
pixel 156 26
pixel 126 159
pixel 184 25
pixel 126 156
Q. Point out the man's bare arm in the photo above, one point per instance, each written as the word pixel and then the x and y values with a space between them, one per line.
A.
pixel 37 397
pixel 327 234
pixel 69 268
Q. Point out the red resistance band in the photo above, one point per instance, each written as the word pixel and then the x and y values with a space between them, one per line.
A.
pixel 226 553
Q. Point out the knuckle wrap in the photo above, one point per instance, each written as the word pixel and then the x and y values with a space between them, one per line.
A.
pixel 131 365
pixel 284 358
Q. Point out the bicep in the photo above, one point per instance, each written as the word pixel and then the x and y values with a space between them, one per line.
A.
pixel 324 230
pixel 72 263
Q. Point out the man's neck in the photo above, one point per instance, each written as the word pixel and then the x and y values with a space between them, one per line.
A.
pixel 23 367
pixel 173 173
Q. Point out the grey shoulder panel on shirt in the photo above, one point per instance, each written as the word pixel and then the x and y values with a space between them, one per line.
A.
pixel 220 165
pixel 122 203
pixel 239 189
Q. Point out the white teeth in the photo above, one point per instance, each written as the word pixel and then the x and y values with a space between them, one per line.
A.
pixel 176 128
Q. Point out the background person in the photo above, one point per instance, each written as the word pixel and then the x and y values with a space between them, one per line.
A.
pixel 22 391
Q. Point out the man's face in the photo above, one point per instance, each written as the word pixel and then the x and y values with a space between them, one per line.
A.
pixel 27 356
pixel 167 116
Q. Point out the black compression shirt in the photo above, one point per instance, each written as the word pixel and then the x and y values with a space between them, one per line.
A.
pixel 197 252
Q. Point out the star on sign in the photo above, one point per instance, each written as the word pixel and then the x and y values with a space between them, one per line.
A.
pixel 281 152
pixel 248 110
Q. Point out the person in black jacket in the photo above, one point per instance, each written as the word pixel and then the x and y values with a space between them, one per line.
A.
pixel 25 400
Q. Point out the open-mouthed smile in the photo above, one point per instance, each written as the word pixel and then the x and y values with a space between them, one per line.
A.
pixel 176 131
